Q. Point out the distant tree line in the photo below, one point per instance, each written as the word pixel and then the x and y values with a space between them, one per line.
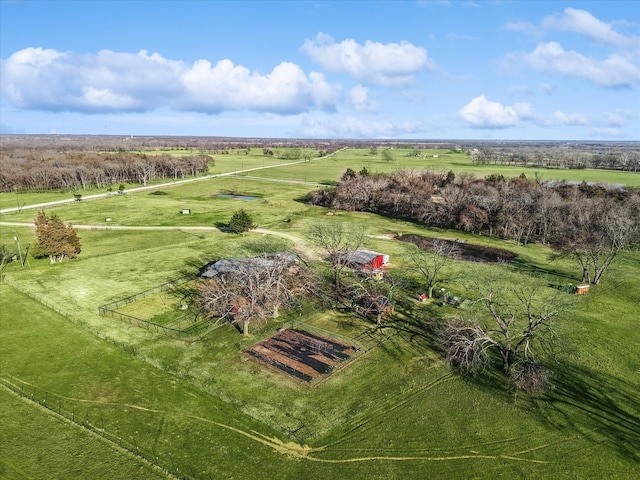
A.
pixel 588 222
pixel 48 170
pixel 610 159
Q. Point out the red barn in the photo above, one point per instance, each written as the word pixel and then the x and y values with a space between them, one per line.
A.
pixel 366 259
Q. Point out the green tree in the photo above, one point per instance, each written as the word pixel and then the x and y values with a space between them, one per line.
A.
pixel 54 238
pixel 296 153
pixel 6 257
pixel 241 222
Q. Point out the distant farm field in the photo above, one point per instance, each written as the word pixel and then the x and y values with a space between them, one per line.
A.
pixel 143 405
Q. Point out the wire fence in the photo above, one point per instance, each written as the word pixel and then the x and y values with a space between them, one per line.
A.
pixel 139 322
pixel 185 327
pixel 169 285
pixel 82 416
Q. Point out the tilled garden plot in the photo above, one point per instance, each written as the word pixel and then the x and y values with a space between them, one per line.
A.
pixel 301 354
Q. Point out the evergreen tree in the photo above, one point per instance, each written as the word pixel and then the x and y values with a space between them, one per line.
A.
pixel 54 238
pixel 241 222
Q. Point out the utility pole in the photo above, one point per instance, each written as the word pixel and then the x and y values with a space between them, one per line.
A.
pixel 17 239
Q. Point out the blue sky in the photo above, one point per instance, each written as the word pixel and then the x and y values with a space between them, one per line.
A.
pixel 513 70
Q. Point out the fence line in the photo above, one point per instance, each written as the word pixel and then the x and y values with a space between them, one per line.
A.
pixel 51 306
pixel 139 322
pixel 146 293
pixel 74 413
pixel 180 328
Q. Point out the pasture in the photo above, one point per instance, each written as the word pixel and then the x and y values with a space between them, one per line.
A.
pixel 150 406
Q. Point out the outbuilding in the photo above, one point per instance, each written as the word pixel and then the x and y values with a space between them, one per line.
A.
pixel 366 259
pixel 582 289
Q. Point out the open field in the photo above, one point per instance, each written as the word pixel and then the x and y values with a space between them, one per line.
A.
pixel 326 170
pixel 204 409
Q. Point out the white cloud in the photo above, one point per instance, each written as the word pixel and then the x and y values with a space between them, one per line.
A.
pixel 228 87
pixel 351 127
pixel 582 22
pixel 570 118
pixel 606 132
pixel 359 99
pixel 108 81
pixel 615 71
pixel 525 27
pixel 482 113
pixel 617 118
pixel 391 64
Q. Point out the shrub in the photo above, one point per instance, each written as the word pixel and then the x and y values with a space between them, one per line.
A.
pixel 241 222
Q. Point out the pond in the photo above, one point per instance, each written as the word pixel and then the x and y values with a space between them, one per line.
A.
pixel 236 197
pixel 463 250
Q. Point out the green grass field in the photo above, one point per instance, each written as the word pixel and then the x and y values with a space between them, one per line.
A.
pixel 204 409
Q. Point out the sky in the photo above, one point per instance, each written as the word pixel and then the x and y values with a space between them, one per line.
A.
pixel 481 69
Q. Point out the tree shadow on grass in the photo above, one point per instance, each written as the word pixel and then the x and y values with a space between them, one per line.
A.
pixel 591 403
pixel 586 400
pixel 523 266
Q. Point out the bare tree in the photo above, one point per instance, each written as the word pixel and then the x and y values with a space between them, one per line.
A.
pixel 520 321
pixel 594 231
pixel 339 241
pixel 251 290
pixel 430 264
pixel 373 298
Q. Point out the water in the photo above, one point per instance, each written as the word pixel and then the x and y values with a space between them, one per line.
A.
pixel 237 197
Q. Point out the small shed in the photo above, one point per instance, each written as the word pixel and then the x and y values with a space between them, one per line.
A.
pixel 366 259
pixel 185 211
pixel 582 289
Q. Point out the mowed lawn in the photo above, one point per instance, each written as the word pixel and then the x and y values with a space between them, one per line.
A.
pixel 205 410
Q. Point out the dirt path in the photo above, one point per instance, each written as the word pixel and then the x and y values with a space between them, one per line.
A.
pixel 300 244
pixel 291 449
pixel 309 251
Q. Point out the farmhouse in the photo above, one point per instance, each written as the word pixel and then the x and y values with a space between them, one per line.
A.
pixel 261 262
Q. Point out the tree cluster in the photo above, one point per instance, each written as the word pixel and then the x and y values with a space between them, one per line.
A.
pixel 46 170
pixel 251 290
pixel 590 222
pixel 616 159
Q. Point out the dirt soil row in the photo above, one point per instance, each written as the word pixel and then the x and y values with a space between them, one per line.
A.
pixel 301 354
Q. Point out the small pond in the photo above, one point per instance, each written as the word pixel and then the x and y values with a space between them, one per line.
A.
pixel 236 197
